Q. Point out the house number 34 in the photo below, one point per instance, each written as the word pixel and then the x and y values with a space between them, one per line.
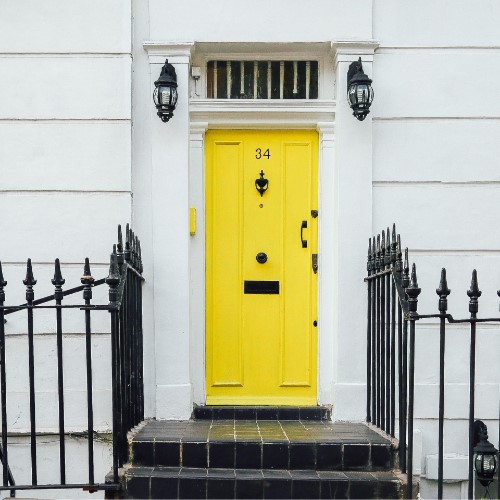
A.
pixel 259 154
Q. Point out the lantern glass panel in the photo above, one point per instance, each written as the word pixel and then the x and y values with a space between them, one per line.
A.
pixel 165 95
pixel 155 96
pixel 174 96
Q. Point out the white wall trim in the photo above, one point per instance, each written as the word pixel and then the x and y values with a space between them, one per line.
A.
pixel 177 52
pixel 225 113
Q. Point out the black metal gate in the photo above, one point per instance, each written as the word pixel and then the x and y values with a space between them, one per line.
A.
pixel 391 322
pixel 125 308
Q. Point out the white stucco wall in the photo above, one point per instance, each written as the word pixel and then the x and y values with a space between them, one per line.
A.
pixel 75 76
pixel 435 173
pixel 65 169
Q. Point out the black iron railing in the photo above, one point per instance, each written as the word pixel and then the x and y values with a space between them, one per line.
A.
pixel 391 322
pixel 125 308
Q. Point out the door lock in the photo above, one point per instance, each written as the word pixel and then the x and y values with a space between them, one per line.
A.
pixel 261 258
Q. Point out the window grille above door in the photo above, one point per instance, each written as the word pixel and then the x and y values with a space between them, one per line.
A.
pixel 262 79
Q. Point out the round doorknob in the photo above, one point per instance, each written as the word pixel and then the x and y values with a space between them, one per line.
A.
pixel 261 258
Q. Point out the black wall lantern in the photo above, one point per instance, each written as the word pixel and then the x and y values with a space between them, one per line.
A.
pixel 359 90
pixel 165 93
pixel 485 454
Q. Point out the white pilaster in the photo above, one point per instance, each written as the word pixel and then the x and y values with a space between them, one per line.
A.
pixel 170 219
pixel 326 259
pixel 197 258
pixel 353 206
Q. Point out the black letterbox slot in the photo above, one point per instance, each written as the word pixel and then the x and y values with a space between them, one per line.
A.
pixel 263 287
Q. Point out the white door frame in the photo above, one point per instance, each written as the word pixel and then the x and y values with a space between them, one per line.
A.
pixel 207 114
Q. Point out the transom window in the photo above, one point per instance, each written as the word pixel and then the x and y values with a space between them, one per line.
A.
pixel 262 79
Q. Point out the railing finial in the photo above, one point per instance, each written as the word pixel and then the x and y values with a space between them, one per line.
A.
pixel 119 246
pixel 87 280
pixel 29 281
pixel 382 250
pixel 2 284
pixel 58 280
pixel 127 242
pixel 413 291
pixel 406 271
pixel 377 255
pixel 443 291
pixel 388 249
pixel 369 260
pixel 140 255
pixel 474 293
pixel 113 279
pixel 2 281
pixel 394 246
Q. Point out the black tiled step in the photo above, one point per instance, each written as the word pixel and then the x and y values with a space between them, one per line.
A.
pixel 262 412
pixel 171 482
pixel 240 444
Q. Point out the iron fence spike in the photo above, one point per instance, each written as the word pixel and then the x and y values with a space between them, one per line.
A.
pixel 474 291
pixel 443 285
pixel 87 278
pixel 2 280
pixel 30 279
pixel 58 280
pixel 119 247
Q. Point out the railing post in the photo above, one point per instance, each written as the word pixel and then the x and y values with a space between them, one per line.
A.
pixel 378 369
pixel 393 332
pixel 413 291
pixel 30 281
pixel 388 334
pixel 58 281
pixel 3 382
pixel 113 280
pixel 382 334
pixel 474 293
pixel 443 291
pixel 369 335
pixel 374 335
pixel 403 438
pixel 87 281
pixel 399 278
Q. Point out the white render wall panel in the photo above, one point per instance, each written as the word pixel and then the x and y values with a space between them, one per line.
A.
pixel 65 87
pixel 48 464
pixel 72 155
pixel 64 26
pixel 260 20
pixel 440 217
pixel 70 226
pixel 436 83
pixel 436 23
pixel 436 150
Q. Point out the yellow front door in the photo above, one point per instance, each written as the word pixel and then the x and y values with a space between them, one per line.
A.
pixel 261 328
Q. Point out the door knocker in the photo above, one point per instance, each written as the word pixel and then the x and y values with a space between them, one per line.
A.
pixel 261 184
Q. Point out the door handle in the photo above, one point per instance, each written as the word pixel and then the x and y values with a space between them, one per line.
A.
pixel 302 227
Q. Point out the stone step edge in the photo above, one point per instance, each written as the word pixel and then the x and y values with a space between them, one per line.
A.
pixel 149 482
pixel 215 412
pixel 306 474
pixel 326 455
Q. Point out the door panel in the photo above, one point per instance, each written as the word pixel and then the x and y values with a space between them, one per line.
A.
pixel 261 348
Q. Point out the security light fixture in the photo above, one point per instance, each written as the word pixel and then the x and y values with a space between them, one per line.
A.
pixel 485 454
pixel 165 93
pixel 359 90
